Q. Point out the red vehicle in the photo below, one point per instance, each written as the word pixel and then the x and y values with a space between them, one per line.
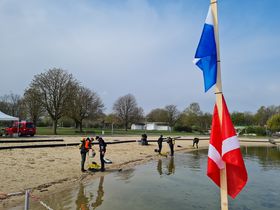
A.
pixel 23 128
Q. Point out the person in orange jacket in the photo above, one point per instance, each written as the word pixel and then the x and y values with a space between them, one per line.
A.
pixel 85 146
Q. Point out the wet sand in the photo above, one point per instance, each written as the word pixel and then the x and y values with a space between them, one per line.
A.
pixel 48 170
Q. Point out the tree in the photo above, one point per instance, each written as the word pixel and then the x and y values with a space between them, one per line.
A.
pixel 193 118
pixel 205 121
pixel 12 104
pixel 273 123
pixel 242 119
pixel 5 104
pixel 238 118
pixel 249 118
pixel 112 120
pixel 33 104
pixel 191 115
pixel 193 109
pixel 84 104
pixel 126 110
pixel 55 87
pixel 138 115
pixel 172 114
pixel 157 115
pixel 263 114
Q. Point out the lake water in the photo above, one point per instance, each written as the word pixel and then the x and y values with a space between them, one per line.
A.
pixel 174 184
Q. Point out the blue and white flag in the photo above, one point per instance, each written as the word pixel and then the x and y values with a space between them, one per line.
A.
pixel 206 53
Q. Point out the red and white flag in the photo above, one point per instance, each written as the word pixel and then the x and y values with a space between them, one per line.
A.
pixel 224 151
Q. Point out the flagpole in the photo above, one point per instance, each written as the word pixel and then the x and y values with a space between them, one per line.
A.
pixel 218 92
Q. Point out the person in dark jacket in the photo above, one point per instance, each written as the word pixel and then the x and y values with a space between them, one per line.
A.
pixel 144 139
pixel 171 143
pixel 102 151
pixel 195 142
pixel 159 141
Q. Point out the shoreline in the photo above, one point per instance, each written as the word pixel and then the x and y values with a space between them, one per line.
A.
pixel 49 170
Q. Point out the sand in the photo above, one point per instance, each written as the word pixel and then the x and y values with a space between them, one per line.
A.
pixel 48 170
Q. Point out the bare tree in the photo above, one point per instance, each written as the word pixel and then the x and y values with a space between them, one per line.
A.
pixel 33 105
pixel 12 104
pixel 138 115
pixel 5 104
pixel 55 87
pixel 84 104
pixel 172 114
pixel 193 109
pixel 126 109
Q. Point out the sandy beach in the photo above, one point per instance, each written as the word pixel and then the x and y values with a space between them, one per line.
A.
pixel 48 170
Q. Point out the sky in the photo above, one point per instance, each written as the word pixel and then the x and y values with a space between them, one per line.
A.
pixel 145 48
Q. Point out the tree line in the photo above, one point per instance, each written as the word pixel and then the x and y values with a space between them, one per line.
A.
pixel 55 96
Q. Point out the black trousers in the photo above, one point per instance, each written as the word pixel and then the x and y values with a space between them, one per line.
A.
pixel 171 149
pixel 102 161
pixel 159 147
pixel 83 156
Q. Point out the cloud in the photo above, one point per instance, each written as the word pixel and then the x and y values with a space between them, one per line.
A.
pixel 118 47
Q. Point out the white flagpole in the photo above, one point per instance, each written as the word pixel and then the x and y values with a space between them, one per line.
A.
pixel 218 92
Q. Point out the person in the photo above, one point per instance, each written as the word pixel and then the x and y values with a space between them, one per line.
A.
pixel 102 151
pixel 195 142
pixel 159 141
pixel 144 140
pixel 171 143
pixel 85 146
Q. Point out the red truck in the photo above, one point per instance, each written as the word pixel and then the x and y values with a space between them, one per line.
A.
pixel 23 128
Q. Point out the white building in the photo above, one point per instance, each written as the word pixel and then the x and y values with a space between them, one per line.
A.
pixel 157 126
pixel 138 126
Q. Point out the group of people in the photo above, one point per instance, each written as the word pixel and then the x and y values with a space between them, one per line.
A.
pixel 86 146
pixel 169 141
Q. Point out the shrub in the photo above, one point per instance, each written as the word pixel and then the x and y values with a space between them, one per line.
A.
pixel 182 128
pixel 258 130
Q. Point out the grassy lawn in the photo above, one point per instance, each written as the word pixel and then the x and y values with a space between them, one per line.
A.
pixel 107 132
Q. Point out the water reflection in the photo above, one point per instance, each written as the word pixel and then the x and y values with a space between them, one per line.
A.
pixel 268 158
pixel 169 169
pixel 194 159
pixel 83 201
pixel 125 175
pixel 147 185
pixel 100 194
pixel 159 167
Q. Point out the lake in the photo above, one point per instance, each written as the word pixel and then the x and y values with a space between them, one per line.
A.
pixel 175 183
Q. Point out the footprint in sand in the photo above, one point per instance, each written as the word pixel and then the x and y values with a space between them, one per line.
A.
pixel 30 160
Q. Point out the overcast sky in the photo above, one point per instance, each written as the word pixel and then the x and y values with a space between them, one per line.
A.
pixel 143 47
